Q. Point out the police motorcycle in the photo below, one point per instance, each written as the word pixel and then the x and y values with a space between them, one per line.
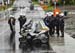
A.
pixel 32 36
pixel 41 36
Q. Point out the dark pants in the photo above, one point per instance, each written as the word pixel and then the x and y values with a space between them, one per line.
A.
pixel 62 29
pixel 20 27
pixel 57 29
pixel 51 29
pixel 56 24
pixel 11 28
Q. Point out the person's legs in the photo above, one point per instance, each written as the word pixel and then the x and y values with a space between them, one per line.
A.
pixel 53 29
pixel 62 31
pixel 11 28
pixel 57 30
pixel 50 31
pixel 20 27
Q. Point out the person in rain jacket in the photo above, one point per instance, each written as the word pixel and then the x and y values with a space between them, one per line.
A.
pixel 61 24
pixel 51 25
pixel 22 20
pixel 56 23
pixel 11 23
pixel 49 22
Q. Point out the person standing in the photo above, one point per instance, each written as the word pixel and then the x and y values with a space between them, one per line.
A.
pixel 22 20
pixel 56 22
pixel 49 22
pixel 11 23
pixel 61 24
pixel 51 25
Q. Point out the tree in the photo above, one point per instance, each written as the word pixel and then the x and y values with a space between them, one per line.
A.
pixel 69 2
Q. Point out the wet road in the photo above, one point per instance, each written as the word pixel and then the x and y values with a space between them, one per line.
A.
pixel 32 49
pixel 9 42
pixel 5 38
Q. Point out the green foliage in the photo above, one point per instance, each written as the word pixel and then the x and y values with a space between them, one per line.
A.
pixel 35 3
pixel 2 8
pixel 34 0
pixel 67 2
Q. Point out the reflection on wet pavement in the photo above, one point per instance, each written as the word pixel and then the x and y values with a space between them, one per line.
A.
pixel 42 48
pixel 58 44
pixel 25 47
pixel 12 40
pixel 11 44
pixel 57 41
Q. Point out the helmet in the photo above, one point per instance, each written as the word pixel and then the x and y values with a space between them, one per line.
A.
pixel 61 14
pixel 11 16
pixel 46 14
pixel 49 13
pixel 23 14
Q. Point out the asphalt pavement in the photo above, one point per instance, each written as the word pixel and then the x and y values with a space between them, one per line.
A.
pixel 9 42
